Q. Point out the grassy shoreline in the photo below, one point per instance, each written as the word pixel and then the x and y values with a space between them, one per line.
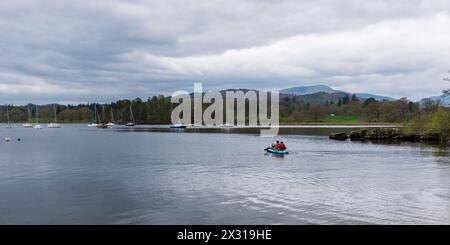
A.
pixel 343 124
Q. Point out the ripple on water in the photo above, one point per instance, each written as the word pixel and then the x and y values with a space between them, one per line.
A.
pixel 87 176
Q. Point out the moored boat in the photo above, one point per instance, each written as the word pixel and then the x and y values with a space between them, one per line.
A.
pixel 28 124
pixel 111 121
pixel 132 122
pixel 54 124
pixel 178 126
pixel 227 125
pixel 37 126
pixel 95 123
pixel 102 125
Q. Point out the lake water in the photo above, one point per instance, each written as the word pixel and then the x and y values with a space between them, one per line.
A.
pixel 78 175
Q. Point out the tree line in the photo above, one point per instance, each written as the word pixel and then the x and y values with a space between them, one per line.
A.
pixel 349 108
pixel 155 110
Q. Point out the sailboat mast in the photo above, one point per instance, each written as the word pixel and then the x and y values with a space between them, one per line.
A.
pixel 103 113
pixel 112 115
pixel 37 114
pixel 7 113
pixel 98 116
pixel 29 113
pixel 95 113
pixel 54 109
pixel 131 114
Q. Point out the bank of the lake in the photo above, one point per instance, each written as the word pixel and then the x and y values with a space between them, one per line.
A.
pixel 392 135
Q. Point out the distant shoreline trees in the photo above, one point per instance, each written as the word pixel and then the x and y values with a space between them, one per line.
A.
pixel 156 110
pixel 293 109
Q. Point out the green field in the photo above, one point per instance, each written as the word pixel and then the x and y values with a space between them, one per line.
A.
pixel 343 119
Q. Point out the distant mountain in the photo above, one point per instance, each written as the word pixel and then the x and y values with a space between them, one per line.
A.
pixel 304 90
pixel 314 99
pixel 443 100
pixel 314 89
pixel 377 97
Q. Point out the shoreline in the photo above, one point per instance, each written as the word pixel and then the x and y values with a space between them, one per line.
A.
pixel 390 135
pixel 389 125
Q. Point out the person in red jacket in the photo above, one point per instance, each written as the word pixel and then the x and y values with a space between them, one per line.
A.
pixel 281 146
pixel 276 145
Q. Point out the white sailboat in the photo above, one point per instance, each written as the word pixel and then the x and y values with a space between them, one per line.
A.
pixel 8 125
pixel 101 124
pixel 111 122
pixel 37 126
pixel 178 126
pixel 94 124
pixel 227 125
pixel 54 124
pixel 132 122
pixel 28 124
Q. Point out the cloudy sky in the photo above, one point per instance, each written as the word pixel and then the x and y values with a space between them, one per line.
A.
pixel 86 51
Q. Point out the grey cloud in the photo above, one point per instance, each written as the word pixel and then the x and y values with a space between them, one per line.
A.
pixel 112 49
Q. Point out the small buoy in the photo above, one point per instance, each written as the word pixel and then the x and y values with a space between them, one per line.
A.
pixel 19 139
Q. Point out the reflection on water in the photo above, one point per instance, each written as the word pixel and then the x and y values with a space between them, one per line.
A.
pixel 441 151
pixel 283 129
pixel 77 175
